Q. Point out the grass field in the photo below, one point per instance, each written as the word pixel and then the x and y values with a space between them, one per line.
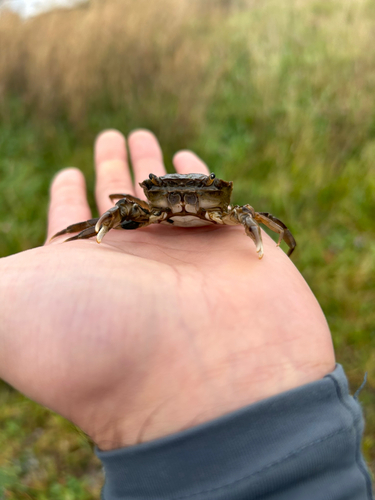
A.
pixel 276 95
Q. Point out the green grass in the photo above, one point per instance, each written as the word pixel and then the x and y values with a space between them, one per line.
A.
pixel 282 104
pixel 42 455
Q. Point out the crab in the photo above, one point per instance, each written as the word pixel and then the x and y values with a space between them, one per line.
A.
pixel 183 200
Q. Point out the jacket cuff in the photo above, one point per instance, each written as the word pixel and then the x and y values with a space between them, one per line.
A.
pixel 303 443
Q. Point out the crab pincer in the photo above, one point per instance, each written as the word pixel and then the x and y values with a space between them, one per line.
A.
pixel 109 220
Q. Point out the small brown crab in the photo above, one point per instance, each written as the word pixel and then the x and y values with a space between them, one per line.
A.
pixel 181 200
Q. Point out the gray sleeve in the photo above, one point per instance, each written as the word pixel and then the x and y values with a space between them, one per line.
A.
pixel 303 444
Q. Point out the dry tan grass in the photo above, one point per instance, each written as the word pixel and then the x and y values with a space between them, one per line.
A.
pixel 141 54
pixel 128 53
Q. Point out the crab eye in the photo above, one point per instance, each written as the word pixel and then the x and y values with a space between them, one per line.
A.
pixel 210 179
pixel 154 179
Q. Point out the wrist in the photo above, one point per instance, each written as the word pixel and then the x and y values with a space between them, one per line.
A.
pixel 200 401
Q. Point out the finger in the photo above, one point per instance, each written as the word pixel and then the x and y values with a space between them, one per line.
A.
pixel 187 162
pixel 146 156
pixel 112 169
pixel 68 202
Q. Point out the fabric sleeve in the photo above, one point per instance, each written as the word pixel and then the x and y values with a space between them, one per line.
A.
pixel 303 444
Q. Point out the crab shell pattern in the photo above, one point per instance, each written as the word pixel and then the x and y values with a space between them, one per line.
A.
pixel 185 200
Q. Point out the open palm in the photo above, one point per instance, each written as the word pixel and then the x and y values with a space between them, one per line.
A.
pixel 155 329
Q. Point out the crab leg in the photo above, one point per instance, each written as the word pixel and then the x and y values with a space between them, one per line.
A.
pixel 279 227
pixel 83 235
pixel 79 226
pixel 129 199
pixel 128 213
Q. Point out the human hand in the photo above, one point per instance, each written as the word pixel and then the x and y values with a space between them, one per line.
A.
pixel 156 329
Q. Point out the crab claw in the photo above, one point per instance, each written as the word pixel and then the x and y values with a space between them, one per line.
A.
pixel 108 221
pixel 253 230
pixel 255 235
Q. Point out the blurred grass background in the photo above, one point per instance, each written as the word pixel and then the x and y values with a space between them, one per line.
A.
pixel 276 95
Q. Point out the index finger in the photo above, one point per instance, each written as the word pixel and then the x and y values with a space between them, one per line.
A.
pixel 68 201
